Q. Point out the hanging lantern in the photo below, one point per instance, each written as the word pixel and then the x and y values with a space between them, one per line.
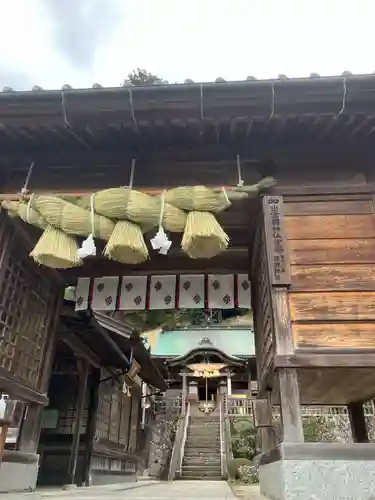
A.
pixel 206 370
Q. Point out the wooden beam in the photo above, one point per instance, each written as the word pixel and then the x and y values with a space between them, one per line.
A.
pixel 20 391
pixel 232 261
pixel 339 359
pixel 358 422
pixel 81 349
pixel 291 415
pixel 157 169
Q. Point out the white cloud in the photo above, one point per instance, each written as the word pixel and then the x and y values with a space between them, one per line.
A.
pixel 52 42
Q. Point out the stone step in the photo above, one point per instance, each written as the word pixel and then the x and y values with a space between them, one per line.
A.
pixel 201 447
pixel 211 430
pixel 194 453
pixel 201 451
pixel 205 432
pixel 200 478
pixel 202 439
pixel 193 435
pixel 205 439
pixel 202 444
pixel 206 425
pixel 200 471
pixel 201 464
pixel 203 421
pixel 197 455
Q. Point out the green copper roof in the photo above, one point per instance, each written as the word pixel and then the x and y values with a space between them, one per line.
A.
pixel 231 341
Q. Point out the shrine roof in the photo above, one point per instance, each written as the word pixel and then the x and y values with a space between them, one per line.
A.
pixel 86 138
pixel 233 342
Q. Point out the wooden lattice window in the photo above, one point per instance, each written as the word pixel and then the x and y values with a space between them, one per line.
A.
pixel 27 297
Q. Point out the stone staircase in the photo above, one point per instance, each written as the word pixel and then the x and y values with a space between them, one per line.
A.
pixel 202 449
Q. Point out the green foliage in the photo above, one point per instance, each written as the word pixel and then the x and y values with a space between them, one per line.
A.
pixel 243 436
pixel 318 429
pixel 168 320
pixel 234 464
pixel 248 474
pixel 140 77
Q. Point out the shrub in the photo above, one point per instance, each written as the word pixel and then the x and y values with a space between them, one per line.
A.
pixel 248 474
pixel 318 429
pixel 243 438
pixel 234 464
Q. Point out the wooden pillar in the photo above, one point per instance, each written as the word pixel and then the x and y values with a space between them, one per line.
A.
pixel 249 391
pixel 358 422
pixel 291 415
pixel 83 370
pixel 91 423
pixel 193 395
pixel 28 440
pixel 143 404
pixel 229 383
pixel 263 412
pixel 134 419
pixel 30 430
pixel 184 390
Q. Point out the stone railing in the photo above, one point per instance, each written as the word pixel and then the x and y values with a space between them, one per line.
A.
pixel 238 406
pixel 167 405
pixel 321 423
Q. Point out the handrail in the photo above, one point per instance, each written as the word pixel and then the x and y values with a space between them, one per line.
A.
pixel 174 465
pixel 186 425
pixel 225 438
pixel 223 464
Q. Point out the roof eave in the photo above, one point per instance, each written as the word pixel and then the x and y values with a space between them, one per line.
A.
pixel 321 95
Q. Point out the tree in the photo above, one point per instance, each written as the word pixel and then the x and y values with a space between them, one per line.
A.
pixel 169 320
pixel 139 77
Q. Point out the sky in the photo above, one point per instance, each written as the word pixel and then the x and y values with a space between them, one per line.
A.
pixel 80 42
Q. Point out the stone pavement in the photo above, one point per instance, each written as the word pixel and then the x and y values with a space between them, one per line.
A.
pixel 142 490
pixel 246 492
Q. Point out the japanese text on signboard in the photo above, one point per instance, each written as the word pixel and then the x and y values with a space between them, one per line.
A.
pixel 274 221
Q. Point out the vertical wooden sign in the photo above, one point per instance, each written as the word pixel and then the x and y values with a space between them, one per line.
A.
pixel 277 254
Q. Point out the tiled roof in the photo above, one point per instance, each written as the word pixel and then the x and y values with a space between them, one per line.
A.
pixel 188 81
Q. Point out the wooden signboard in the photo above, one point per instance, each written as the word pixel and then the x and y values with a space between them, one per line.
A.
pixel 261 414
pixel 134 369
pixel 277 254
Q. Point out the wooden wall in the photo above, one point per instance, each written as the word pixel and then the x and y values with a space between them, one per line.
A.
pixel 331 243
pixel 262 306
pixel 29 298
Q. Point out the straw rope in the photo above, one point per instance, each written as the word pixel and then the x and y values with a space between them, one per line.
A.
pixel 126 244
pixel 203 238
pixel 56 249
pixel 72 219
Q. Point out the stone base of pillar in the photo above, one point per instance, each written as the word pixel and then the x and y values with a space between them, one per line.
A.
pixel 18 472
pixel 318 470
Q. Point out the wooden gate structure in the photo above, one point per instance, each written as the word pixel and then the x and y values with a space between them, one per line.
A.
pixel 308 245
